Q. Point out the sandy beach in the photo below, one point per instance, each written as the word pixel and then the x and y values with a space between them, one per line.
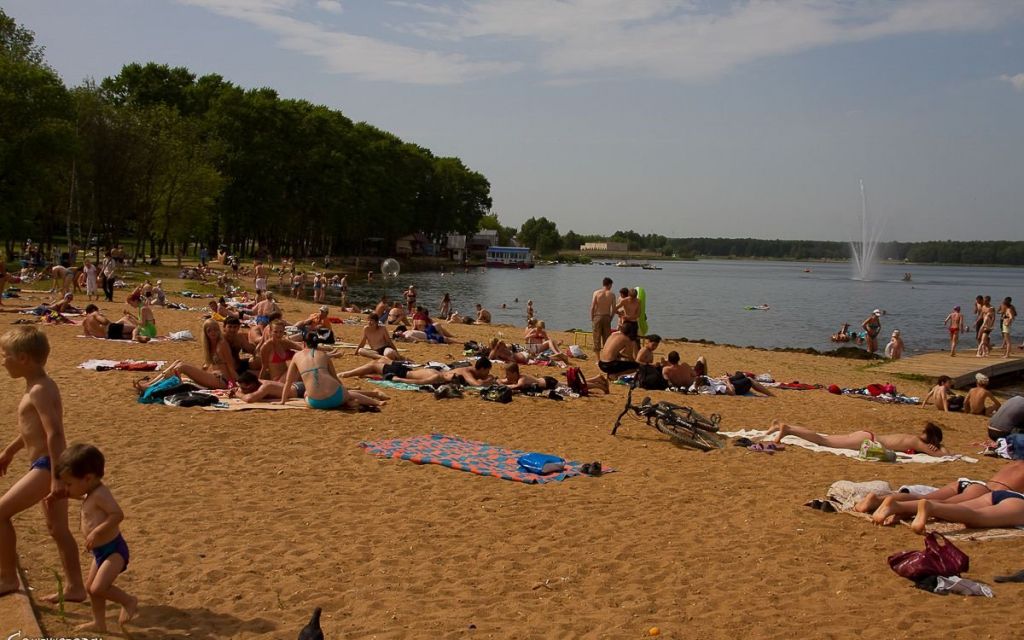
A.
pixel 241 522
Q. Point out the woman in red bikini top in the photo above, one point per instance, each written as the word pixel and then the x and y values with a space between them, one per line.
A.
pixel 276 352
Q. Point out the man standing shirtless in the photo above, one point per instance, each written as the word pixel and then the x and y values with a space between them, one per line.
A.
pixel 602 307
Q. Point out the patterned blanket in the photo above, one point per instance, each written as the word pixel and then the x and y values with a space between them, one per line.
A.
pixel 466 455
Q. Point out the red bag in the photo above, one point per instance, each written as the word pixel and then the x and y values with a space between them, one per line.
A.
pixel 577 381
pixel 936 560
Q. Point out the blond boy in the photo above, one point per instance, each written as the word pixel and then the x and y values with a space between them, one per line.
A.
pixel 41 433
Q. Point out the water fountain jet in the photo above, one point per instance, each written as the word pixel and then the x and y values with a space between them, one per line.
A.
pixel 870 236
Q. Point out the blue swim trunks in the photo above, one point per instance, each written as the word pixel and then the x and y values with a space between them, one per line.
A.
pixel 117 545
pixel 42 462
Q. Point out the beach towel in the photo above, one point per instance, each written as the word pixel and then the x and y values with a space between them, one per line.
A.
pixel 122 365
pixel 466 455
pixel 901 457
pixel 237 404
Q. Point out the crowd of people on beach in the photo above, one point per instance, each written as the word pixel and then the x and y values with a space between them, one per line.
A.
pixel 251 353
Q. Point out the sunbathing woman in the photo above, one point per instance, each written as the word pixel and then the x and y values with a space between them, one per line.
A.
pixel 929 441
pixel 323 387
pixel 401 372
pixel 217 371
pixel 537 340
pixel 892 508
pixel 276 352
pixel 1000 508
pixel 502 352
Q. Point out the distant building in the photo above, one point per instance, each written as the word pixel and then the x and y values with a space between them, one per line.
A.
pixel 604 246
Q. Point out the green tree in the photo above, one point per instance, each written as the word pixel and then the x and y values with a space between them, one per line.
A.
pixel 540 235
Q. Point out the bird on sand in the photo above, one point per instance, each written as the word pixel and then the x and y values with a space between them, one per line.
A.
pixel 312 630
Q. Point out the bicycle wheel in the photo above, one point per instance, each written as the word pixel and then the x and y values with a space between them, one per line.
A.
pixel 690 436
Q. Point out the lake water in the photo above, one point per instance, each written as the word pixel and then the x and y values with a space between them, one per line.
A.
pixel 706 299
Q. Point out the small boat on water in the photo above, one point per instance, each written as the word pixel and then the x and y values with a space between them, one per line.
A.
pixel 758 307
pixel 650 267
pixel 623 263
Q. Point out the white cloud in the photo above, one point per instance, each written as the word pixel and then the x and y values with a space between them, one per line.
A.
pixel 1017 81
pixel 574 40
pixel 343 52
pixel 331 6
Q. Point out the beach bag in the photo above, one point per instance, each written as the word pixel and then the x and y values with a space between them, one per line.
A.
pixel 497 393
pixel 577 381
pixel 541 463
pixel 870 450
pixel 576 352
pixel 152 392
pixel 935 560
pixel 191 399
pixel 649 377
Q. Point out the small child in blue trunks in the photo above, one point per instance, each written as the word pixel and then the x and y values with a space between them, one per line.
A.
pixel 81 468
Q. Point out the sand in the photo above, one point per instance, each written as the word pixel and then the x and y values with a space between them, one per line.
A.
pixel 241 522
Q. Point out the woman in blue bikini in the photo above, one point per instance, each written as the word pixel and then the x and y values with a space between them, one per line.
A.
pixel 323 387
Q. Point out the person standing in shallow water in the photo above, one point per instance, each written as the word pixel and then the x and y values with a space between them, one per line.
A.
pixel 872 327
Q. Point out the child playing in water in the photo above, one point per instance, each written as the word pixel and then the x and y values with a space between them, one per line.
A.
pixel 80 468
pixel 41 434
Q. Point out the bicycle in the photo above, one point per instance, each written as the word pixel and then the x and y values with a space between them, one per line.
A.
pixel 680 423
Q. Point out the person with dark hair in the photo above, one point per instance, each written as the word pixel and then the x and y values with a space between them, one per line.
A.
pixel 940 395
pixel 518 381
pixel 616 356
pixel 376 341
pixel 1007 314
pixel 677 373
pixel 929 441
pixel 80 467
pixel 324 390
pixel 602 308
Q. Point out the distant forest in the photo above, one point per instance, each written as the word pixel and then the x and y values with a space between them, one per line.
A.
pixel 542 236
pixel 162 161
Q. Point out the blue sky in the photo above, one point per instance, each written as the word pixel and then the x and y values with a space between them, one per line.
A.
pixel 681 117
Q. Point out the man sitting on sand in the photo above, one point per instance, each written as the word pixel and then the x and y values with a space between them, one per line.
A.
pixel 617 354
pixel 676 373
pixel 375 341
pixel 889 509
pixel 646 353
pixel 977 398
pixel 483 316
pixel 96 325
pixel 1008 419
pixel 941 394
pixel 928 442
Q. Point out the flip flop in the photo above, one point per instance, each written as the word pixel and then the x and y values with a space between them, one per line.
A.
pixel 1016 577
pixel 743 442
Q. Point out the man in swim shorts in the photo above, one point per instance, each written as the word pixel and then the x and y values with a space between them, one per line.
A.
pixel 617 354
pixel 376 342
pixel 602 308
pixel 975 403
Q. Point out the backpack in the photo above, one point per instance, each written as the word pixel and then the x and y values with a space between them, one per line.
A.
pixel 577 381
pixel 497 393
pixel 649 377
pixel 191 399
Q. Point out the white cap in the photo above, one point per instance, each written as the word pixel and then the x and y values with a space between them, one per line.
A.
pixel 877 312
pixel 981 378
pixel 324 308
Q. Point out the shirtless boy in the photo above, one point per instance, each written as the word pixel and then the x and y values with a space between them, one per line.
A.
pixel 975 402
pixel 41 434
pixel 628 309
pixel 96 325
pixel 81 468
pixel 483 316
pixel 602 308
pixel 646 353
pixel 955 323
pixel 929 441
pixel 939 395
pixel 376 341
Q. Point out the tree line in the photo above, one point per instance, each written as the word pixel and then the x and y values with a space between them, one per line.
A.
pixel 542 235
pixel 166 161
